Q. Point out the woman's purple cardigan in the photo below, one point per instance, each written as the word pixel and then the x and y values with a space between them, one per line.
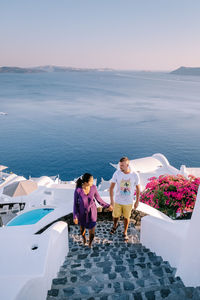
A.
pixel 84 205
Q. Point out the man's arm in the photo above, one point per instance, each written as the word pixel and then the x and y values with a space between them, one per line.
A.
pixel 112 185
pixel 137 196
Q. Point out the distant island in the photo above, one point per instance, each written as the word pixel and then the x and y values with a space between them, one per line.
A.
pixel 45 69
pixel 186 71
pixel 51 69
pixel 18 70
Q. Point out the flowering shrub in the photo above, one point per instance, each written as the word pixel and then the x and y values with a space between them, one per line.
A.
pixel 174 195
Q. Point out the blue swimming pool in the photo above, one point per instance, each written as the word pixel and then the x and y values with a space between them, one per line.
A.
pixel 30 217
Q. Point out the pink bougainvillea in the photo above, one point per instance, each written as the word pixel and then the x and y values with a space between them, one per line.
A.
pixel 174 195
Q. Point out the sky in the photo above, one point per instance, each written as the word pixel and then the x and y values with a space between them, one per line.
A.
pixel 117 34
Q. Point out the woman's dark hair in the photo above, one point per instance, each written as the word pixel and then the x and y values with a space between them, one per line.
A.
pixel 85 178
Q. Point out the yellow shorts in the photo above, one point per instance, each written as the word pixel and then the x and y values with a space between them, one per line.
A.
pixel 121 209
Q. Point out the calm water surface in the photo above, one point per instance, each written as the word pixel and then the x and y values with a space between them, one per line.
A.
pixel 75 122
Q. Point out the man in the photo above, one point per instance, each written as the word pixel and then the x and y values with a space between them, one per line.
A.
pixel 126 182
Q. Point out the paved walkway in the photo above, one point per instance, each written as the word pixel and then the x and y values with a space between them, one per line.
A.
pixel 114 269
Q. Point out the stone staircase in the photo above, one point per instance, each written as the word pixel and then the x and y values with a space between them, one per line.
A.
pixel 114 269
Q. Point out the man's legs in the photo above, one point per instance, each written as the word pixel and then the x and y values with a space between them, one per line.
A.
pixel 126 223
pixel 117 211
pixel 126 213
pixel 115 222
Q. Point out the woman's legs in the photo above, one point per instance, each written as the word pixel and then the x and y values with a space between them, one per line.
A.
pixel 91 236
pixel 83 234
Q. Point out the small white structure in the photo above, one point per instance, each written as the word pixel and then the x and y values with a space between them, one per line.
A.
pixel 176 241
pixel 43 180
pixel 104 185
pixel 189 171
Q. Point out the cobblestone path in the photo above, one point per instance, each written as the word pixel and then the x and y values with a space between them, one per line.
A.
pixel 114 269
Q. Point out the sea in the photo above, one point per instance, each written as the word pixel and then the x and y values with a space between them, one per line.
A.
pixel 69 123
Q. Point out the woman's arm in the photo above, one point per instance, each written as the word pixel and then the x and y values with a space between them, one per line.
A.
pixel 111 190
pixel 76 206
pixel 100 200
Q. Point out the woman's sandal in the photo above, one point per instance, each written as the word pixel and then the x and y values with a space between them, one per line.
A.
pixel 125 236
pixel 113 229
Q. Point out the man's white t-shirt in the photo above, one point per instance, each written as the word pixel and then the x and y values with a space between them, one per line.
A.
pixel 125 186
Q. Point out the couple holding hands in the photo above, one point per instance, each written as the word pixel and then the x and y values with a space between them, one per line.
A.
pixel 85 210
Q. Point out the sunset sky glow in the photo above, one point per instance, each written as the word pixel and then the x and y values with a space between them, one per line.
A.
pixel 118 34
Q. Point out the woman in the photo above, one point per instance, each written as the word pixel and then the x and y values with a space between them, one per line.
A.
pixel 85 210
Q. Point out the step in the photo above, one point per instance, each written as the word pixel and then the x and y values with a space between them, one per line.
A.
pixel 114 269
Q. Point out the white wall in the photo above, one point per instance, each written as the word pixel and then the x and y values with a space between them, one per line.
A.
pixel 57 250
pixel 189 263
pixel 165 238
pixel 176 241
pixel 27 274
